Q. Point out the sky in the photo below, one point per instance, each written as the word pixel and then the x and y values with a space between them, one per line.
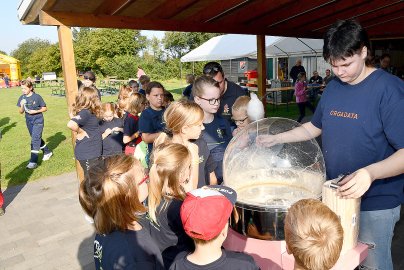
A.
pixel 14 32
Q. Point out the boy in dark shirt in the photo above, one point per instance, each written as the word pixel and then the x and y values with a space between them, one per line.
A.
pixel 33 106
pixel 205 213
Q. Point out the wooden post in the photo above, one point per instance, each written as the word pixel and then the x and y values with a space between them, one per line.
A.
pixel 262 69
pixel 70 78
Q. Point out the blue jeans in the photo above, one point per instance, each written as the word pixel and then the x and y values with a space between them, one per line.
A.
pixel 376 230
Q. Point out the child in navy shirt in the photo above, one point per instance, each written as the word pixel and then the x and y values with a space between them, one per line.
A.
pixel 33 106
pixel 131 136
pixel 204 214
pixel 112 195
pixel 85 122
pixel 169 181
pixel 217 132
pixel 151 121
pixel 112 130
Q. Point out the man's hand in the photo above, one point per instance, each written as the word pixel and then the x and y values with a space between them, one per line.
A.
pixel 355 184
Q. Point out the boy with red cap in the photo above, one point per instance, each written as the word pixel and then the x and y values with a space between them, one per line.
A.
pixel 204 214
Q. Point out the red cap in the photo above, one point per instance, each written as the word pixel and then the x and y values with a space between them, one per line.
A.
pixel 206 211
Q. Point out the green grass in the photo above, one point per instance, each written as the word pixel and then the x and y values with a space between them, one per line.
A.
pixel 15 144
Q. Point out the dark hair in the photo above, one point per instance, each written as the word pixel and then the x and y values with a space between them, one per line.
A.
pixel 168 96
pixel 212 68
pixel 89 75
pixel 27 83
pixel 144 79
pixel 345 39
pixel 152 85
pixel 385 55
pixel 133 83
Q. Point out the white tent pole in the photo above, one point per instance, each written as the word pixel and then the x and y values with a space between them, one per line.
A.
pixel 193 67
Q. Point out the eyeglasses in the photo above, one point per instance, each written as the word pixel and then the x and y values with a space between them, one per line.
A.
pixel 145 179
pixel 214 69
pixel 239 121
pixel 212 101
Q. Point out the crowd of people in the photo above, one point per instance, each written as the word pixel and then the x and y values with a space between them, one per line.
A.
pixel 154 167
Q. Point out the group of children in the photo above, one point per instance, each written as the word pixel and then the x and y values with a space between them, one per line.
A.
pixel 183 227
pixel 171 214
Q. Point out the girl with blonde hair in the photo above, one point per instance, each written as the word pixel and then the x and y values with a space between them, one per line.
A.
pixel 85 116
pixel 183 121
pixel 169 182
pixel 112 195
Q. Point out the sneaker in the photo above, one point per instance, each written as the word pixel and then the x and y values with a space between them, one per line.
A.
pixel 2 212
pixel 47 156
pixel 32 165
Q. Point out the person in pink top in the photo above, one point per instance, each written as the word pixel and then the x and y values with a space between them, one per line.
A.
pixel 140 72
pixel 301 96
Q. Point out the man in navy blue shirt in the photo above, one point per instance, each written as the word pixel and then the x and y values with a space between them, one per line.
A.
pixel 360 118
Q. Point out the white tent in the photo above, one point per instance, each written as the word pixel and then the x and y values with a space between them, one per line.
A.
pixel 233 46
pixel 291 47
pixel 226 47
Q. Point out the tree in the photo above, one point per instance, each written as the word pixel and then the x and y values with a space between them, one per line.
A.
pixel 178 44
pixel 26 49
pixel 94 47
pixel 3 52
pixel 45 60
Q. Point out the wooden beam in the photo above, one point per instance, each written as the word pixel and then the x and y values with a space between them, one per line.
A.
pixel 262 69
pixel 69 74
pixel 123 22
pixel 170 9
pixel 111 7
pixel 33 13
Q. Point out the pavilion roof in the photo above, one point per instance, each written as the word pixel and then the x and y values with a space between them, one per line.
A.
pixel 308 19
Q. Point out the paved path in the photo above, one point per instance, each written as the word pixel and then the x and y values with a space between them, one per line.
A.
pixel 44 228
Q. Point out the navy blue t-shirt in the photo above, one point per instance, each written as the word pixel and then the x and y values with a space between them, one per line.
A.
pixel 217 133
pixel 142 91
pixel 362 124
pixel 151 121
pixel 88 148
pixel 130 126
pixel 169 234
pixel 126 250
pixel 230 260
pixel 34 102
pixel 113 143
pixel 206 162
pixel 227 100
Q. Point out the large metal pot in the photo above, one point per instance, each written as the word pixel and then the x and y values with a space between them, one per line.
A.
pixel 269 179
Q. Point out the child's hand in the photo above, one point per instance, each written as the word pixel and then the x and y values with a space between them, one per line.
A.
pixel 108 131
pixel 235 131
pixel 30 111
pixel 23 102
pixel 81 135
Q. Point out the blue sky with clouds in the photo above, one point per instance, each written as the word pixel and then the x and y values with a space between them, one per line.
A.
pixel 13 32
